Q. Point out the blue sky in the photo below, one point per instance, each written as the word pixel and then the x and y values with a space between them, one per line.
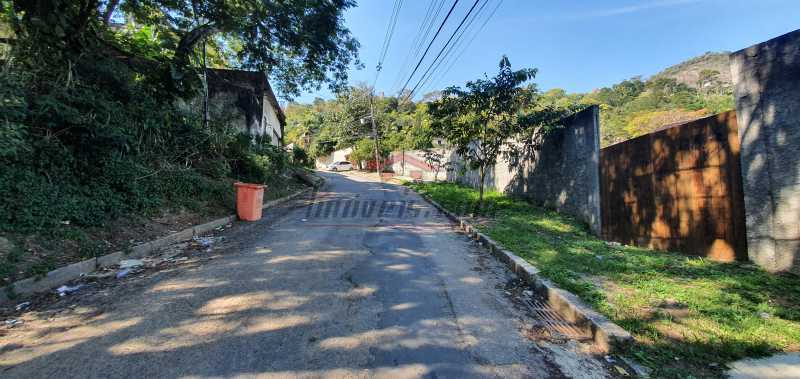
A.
pixel 578 45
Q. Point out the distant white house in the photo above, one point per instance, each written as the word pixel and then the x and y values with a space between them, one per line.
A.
pixel 248 94
pixel 336 156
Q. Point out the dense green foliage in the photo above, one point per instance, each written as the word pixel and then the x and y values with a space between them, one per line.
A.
pixel 301 44
pixel 635 107
pixel 81 151
pixel 490 116
pixel 689 315
pixel 97 122
pixel 325 126
pixel 300 157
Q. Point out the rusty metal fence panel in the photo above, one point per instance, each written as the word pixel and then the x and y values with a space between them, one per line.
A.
pixel 677 189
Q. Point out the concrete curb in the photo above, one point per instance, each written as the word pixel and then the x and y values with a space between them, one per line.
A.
pixel 607 336
pixel 65 274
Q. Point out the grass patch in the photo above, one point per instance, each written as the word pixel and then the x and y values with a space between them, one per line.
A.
pixel 689 315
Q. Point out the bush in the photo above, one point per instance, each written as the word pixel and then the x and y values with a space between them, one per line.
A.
pixel 300 158
pixel 255 160
pixel 103 141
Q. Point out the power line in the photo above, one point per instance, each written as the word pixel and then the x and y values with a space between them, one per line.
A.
pixel 466 47
pixel 428 29
pixel 447 48
pixel 445 45
pixel 387 39
pixel 453 47
pixel 469 43
pixel 424 26
pixel 417 49
pixel 429 46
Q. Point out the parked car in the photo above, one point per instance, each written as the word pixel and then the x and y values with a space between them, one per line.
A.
pixel 340 166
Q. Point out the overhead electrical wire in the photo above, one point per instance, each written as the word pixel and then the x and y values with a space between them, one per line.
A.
pixel 448 54
pixel 387 38
pixel 466 46
pixel 417 47
pixel 419 37
pixel 421 59
pixel 428 29
pixel 444 47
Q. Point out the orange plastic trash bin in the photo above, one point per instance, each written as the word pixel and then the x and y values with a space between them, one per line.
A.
pixel 249 200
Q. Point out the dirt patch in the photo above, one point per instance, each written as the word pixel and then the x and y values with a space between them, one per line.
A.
pixel 94 291
pixel 37 253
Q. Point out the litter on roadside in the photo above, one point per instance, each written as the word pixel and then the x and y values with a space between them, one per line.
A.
pixel 123 273
pixel 13 322
pixel 205 241
pixel 23 305
pixel 66 290
pixel 100 275
pixel 130 263
pixel 176 260
pixel 621 371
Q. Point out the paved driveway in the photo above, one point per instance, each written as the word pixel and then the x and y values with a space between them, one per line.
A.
pixel 361 280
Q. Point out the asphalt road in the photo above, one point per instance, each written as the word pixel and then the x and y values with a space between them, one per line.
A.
pixel 363 279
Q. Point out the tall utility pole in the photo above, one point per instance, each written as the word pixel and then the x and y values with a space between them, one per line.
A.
pixel 375 135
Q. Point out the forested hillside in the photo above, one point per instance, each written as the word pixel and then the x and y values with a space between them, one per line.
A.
pixel 707 70
pixel 695 88
pixel 692 89
pixel 327 125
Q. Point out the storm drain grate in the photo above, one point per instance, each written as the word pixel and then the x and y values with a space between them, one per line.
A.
pixel 549 321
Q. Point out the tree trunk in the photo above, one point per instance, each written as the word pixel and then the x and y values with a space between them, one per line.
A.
pixel 482 175
pixel 109 11
pixel 188 41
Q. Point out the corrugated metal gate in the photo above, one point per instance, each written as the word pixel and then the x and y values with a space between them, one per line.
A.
pixel 677 189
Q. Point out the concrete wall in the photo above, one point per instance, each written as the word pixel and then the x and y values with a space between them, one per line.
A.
pixel 270 124
pixel 222 108
pixel 411 163
pixel 228 107
pixel 338 155
pixel 767 92
pixel 497 178
pixel 564 175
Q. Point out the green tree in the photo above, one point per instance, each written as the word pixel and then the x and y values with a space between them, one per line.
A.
pixel 344 121
pixel 478 121
pixel 364 150
pixel 436 161
pixel 301 44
